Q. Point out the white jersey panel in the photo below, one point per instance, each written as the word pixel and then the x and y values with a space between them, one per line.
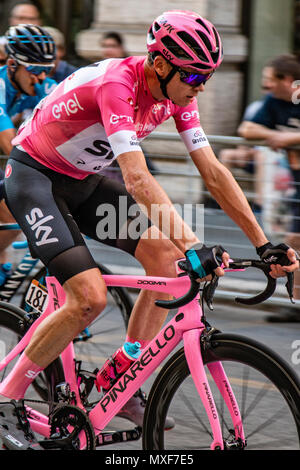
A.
pixel 86 75
pixel 89 150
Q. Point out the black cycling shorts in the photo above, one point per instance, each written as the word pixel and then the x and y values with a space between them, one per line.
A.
pixel 54 210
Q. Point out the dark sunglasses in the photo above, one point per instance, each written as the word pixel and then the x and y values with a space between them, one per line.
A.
pixel 193 79
pixel 38 69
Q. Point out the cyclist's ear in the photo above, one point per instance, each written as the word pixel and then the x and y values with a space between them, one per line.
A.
pixel 12 64
pixel 161 66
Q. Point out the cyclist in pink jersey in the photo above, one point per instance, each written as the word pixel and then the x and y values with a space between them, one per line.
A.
pixel 100 113
pixel 84 124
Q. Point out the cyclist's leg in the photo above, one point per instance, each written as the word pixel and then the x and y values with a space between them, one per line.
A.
pixel 85 299
pixel 93 221
pixel 146 319
pixel 134 233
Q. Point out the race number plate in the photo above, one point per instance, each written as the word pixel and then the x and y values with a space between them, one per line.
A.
pixel 37 296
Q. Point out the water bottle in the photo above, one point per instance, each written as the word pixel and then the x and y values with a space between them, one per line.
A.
pixel 5 270
pixel 116 365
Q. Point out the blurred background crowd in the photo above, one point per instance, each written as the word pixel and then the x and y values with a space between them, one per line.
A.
pixel 255 86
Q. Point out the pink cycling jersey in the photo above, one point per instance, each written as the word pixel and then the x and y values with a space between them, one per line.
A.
pixel 98 113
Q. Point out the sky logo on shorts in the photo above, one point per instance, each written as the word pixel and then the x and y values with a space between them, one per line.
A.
pixel 42 232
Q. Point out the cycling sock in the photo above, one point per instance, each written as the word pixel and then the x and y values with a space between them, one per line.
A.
pixel 143 342
pixel 18 380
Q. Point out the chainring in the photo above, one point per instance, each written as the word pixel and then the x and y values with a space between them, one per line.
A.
pixel 67 422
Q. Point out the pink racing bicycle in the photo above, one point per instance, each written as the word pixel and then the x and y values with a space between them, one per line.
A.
pixel 225 391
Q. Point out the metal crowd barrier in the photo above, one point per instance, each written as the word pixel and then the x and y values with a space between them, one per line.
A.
pixel 177 174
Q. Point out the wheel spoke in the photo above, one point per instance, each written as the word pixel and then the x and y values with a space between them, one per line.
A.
pixel 268 422
pixel 195 413
pixel 256 400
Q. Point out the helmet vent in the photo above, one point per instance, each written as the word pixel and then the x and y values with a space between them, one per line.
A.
pixel 215 55
pixel 175 49
pixel 203 24
pixel 192 44
pixel 201 66
pixel 150 37
pixel 205 39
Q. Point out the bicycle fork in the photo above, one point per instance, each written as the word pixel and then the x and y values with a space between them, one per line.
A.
pixel 192 348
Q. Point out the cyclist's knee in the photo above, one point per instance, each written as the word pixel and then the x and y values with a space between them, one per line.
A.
pixel 86 296
pixel 86 309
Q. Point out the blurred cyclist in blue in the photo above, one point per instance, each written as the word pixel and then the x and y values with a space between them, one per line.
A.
pixel 24 82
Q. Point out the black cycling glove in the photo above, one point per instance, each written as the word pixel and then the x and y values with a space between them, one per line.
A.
pixel 202 260
pixel 271 254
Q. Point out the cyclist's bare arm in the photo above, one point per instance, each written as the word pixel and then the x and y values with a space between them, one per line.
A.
pixel 146 191
pixel 223 187
pixel 5 140
pixel 228 194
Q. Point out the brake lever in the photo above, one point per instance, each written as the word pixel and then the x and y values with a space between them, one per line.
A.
pixel 209 291
pixel 290 286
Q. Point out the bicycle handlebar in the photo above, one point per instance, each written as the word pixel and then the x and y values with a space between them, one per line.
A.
pixel 209 289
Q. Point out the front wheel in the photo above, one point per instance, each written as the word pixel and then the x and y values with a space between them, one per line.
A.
pixel 266 389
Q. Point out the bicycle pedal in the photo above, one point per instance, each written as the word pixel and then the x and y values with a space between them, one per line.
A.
pixel 112 437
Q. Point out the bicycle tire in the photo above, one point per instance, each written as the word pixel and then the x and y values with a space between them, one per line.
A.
pixel 13 325
pixel 172 390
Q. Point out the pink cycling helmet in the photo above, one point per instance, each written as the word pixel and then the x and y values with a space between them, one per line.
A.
pixel 186 39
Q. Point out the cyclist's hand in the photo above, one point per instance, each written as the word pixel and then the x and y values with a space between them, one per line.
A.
pixel 281 258
pixel 39 90
pixel 202 261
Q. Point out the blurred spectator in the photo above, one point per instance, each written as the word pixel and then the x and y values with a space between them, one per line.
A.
pixel 112 46
pixel 278 123
pixel 62 69
pixel 250 159
pixel 24 12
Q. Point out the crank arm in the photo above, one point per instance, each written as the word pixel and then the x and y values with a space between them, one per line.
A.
pixel 112 437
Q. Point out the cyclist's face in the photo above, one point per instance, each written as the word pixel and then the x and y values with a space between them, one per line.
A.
pixel 27 80
pixel 110 48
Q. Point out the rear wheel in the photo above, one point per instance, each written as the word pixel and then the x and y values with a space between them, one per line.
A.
pixel 266 389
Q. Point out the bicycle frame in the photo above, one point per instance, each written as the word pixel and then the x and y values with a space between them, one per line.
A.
pixel 186 325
